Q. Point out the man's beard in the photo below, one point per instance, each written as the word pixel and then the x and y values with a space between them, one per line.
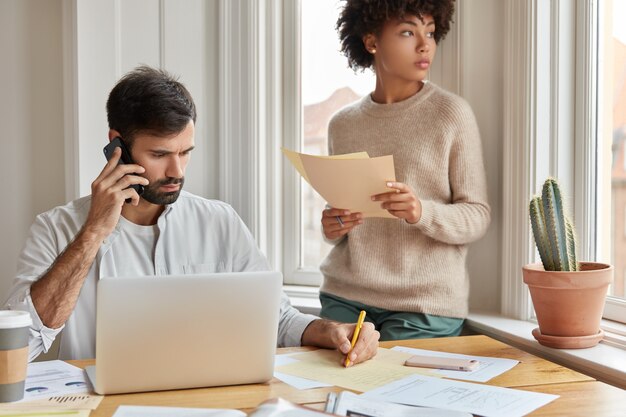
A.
pixel 152 194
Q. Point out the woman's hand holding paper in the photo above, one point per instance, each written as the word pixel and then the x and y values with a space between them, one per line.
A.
pixel 401 202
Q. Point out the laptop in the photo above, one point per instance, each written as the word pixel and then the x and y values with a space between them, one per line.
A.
pixel 185 331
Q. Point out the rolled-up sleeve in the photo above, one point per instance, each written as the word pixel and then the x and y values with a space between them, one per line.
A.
pixel 38 254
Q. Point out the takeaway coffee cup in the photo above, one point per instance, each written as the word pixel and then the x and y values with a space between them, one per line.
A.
pixel 14 330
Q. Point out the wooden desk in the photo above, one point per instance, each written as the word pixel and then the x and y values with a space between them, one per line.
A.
pixel 580 395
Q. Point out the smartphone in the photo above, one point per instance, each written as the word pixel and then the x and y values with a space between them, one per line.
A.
pixel 438 362
pixel 117 142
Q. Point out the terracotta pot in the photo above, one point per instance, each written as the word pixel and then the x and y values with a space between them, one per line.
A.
pixel 569 303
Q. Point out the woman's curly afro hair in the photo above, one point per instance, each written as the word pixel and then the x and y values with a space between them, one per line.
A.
pixel 361 17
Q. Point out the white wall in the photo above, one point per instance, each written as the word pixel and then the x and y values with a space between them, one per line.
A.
pixel 112 38
pixel 469 62
pixel 31 116
pixel 482 69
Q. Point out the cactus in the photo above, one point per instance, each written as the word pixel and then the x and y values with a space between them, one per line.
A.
pixel 553 230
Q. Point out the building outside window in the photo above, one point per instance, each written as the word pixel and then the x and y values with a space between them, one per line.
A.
pixel 615 49
pixel 327 86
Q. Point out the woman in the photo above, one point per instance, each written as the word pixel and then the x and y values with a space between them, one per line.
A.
pixel 408 273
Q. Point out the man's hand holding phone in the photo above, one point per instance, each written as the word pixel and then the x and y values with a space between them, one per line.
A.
pixel 109 192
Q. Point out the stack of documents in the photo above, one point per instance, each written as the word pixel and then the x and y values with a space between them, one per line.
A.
pixel 385 379
pixel 347 181
pixel 323 365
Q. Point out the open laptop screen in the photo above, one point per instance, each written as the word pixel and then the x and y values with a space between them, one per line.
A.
pixel 173 332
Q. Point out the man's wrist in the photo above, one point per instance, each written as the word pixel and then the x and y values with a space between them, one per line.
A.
pixel 91 234
pixel 308 335
pixel 317 333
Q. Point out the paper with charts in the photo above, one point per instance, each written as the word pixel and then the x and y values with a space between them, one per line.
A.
pixel 54 378
pixel 325 365
pixel 347 181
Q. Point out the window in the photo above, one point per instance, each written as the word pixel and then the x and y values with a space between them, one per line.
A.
pixel 565 115
pixel 327 84
pixel 563 77
pixel 612 131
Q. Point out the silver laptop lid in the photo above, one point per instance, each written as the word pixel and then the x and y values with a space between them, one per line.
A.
pixel 174 332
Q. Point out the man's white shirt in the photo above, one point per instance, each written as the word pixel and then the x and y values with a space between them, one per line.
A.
pixel 192 235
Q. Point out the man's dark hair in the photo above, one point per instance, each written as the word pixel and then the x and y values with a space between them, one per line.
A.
pixel 361 17
pixel 149 100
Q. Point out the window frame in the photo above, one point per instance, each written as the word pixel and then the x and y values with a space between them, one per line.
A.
pixel 615 307
pixel 292 127
pixel 538 106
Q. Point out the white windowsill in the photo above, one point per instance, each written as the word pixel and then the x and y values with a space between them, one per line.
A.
pixel 605 362
pixel 304 298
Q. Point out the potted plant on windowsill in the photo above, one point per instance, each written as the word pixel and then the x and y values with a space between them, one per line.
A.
pixel 568 295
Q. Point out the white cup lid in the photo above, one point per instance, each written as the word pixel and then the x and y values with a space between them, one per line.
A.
pixel 12 319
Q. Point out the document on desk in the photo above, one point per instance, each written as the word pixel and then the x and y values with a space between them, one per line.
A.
pixel 488 368
pixel 149 411
pixel 54 378
pixel 325 365
pixel 294 381
pixel 347 181
pixel 484 400
pixel 347 403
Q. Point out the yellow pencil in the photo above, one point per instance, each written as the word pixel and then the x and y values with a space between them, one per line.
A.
pixel 355 336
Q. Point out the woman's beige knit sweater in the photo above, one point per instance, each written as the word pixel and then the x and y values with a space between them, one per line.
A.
pixel 436 148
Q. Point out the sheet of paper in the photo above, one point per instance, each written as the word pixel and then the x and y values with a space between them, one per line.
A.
pixel 488 368
pixel 347 181
pixel 294 381
pixel 350 183
pixel 348 403
pixel 45 413
pixel 484 400
pixel 146 411
pixel 276 407
pixel 54 378
pixel 296 161
pixel 325 365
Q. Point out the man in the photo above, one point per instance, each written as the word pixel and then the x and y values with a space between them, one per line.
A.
pixel 116 232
